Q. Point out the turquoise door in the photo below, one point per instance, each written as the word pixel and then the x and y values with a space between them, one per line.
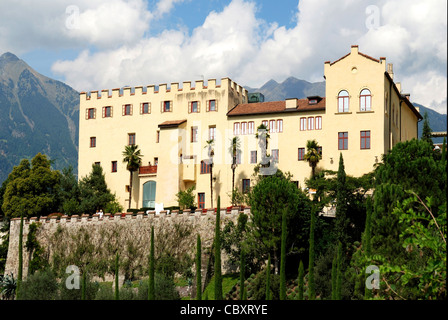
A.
pixel 149 194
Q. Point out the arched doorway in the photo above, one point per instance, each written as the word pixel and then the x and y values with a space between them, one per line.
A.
pixel 149 194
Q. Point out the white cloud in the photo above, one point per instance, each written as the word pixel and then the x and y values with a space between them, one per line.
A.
pixel 411 34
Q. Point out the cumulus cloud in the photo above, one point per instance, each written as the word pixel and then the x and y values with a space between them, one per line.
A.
pixel 116 46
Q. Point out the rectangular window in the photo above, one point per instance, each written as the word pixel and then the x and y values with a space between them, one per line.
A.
pixel 275 155
pixel 127 110
pixel 272 128
pixel 238 157
pixel 145 108
pixel 131 139
pixel 250 127
pixel 301 154
pixel 243 127
pixel 302 124
pixel 194 134
pixel 201 200
pixel 212 133
pixel 107 112
pixel 92 142
pixel 310 123
pixel 319 123
pixel 212 105
pixel 166 106
pixel 157 136
pixel 280 125
pixel 253 157
pixel 265 123
pixel 114 166
pixel 319 150
pixel 205 167
pixel 342 140
pixel 236 128
pixel 194 107
pixel 365 139
pixel 246 185
pixel 90 113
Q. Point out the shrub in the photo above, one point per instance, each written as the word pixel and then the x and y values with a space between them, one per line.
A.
pixel 42 285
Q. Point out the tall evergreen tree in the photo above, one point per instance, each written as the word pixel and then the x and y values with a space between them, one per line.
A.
pixel 151 289
pixel 334 278
pixel 20 271
pixel 339 273
pixel 444 150
pixel 367 239
pixel 341 204
pixel 426 130
pixel 218 274
pixel 311 288
pixel 268 279
pixel 198 269
pixel 242 272
pixel 117 290
pixel 283 258
pixel 300 280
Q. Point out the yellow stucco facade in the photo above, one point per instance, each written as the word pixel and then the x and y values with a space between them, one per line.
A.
pixel 362 116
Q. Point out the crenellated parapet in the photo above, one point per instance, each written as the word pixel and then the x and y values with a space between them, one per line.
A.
pixel 174 88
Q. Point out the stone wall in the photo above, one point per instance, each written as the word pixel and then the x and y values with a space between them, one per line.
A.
pixel 91 238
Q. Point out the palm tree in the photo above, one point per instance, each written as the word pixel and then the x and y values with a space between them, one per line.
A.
pixel 312 155
pixel 234 150
pixel 211 153
pixel 133 160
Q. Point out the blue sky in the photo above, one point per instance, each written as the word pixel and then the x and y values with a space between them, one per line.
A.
pixel 103 44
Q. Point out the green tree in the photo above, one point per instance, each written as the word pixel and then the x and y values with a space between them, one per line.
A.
pixel 268 279
pixel 409 166
pixel 341 204
pixel 300 280
pixel 426 130
pixel 283 257
pixel 311 288
pixel 32 189
pixel 133 158
pixel 151 290
pixel 186 199
pixel 117 290
pixel 35 250
pixel 334 294
pixel 312 155
pixel 242 275
pixel 94 192
pixel 218 274
pixel 69 193
pixel 267 200
pixel 339 272
pixel 198 269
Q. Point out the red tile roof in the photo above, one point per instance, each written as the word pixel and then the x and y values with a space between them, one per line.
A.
pixel 274 107
pixel 172 123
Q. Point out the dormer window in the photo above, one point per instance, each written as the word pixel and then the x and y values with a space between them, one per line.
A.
pixel 313 101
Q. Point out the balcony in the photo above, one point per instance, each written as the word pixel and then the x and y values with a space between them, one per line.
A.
pixel 147 170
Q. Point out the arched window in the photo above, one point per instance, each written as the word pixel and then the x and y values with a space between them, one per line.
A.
pixel 365 100
pixel 343 98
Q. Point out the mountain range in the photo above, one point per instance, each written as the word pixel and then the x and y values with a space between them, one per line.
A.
pixel 39 114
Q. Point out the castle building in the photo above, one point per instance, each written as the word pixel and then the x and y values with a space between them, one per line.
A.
pixel 363 115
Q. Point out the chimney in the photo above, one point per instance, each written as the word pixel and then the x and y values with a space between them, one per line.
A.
pixel 390 70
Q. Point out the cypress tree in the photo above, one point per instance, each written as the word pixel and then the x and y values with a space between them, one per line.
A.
pixel 242 271
pixel 339 273
pixel 426 130
pixel 367 238
pixel 444 150
pixel 198 269
pixel 283 258
pixel 83 287
pixel 311 290
pixel 20 272
pixel 117 292
pixel 333 278
pixel 151 289
pixel 268 279
pixel 300 280
pixel 218 275
pixel 341 204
